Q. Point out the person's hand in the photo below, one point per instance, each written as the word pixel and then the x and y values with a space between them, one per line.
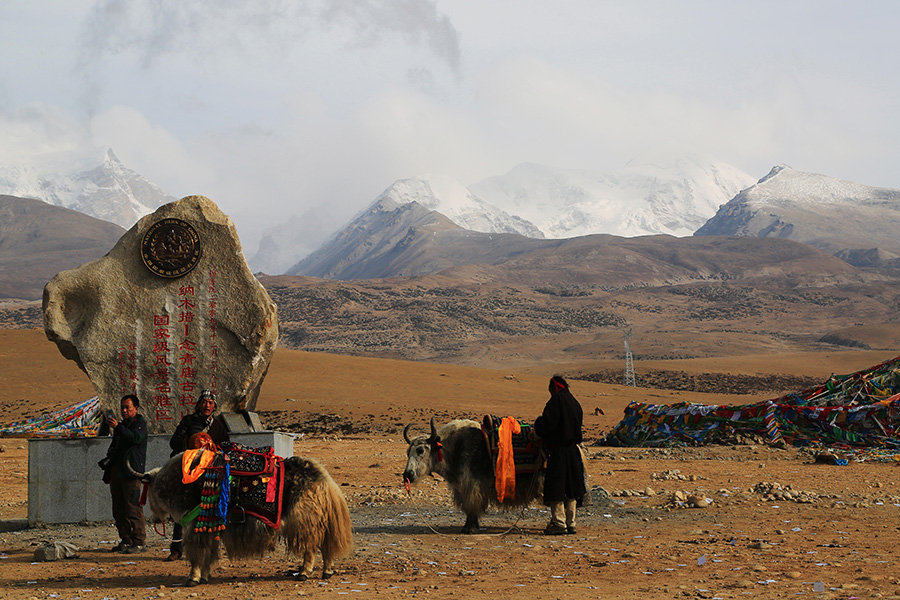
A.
pixel 111 421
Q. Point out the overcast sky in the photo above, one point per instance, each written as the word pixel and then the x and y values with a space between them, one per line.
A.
pixel 271 106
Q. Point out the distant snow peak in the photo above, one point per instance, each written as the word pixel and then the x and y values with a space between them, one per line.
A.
pixel 786 184
pixel 658 193
pixel 108 191
pixel 444 194
pixel 652 194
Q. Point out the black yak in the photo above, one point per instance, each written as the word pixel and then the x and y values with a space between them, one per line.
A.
pixel 458 453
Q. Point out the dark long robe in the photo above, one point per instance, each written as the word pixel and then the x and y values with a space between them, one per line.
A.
pixel 560 428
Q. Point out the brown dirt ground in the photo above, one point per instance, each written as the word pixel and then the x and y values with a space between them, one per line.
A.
pixel 741 545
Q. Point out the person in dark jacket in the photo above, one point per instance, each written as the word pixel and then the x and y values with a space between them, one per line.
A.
pixel 199 421
pixel 129 443
pixel 560 428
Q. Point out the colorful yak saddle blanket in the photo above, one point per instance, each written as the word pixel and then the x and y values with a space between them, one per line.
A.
pixel 527 451
pixel 257 483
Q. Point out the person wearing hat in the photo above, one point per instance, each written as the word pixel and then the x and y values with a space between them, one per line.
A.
pixel 199 421
pixel 559 426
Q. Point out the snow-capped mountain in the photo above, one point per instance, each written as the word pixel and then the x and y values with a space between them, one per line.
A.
pixel 857 222
pixel 284 245
pixel 650 195
pixel 447 196
pixel 376 241
pixel 108 191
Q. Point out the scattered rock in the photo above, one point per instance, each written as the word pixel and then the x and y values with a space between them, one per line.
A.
pixel 695 501
pixel 55 551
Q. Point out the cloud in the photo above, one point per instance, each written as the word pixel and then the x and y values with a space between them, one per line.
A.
pixel 539 111
pixel 160 155
pixel 41 135
pixel 150 30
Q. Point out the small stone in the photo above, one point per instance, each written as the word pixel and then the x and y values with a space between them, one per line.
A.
pixel 695 501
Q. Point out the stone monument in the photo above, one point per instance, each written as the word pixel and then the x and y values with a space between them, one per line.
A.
pixel 172 309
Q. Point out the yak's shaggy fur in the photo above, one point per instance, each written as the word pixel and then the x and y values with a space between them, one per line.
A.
pixel 314 517
pixel 466 465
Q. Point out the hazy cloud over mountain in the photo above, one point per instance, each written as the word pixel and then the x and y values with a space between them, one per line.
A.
pixel 276 106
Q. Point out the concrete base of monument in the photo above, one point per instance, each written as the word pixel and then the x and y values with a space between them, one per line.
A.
pixel 64 481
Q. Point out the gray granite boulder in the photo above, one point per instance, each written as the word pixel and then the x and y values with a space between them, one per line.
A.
pixel 172 309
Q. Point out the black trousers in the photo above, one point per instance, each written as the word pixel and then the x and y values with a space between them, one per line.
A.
pixel 127 511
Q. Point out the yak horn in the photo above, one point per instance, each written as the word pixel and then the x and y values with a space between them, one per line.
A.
pixel 433 428
pixel 406 434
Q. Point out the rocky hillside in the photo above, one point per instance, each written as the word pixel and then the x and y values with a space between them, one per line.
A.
pixel 683 297
pixel 572 299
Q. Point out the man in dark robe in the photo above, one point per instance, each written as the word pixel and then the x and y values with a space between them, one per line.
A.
pixel 199 421
pixel 560 428
pixel 129 443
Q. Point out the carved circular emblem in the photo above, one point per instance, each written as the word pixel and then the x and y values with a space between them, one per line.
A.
pixel 170 248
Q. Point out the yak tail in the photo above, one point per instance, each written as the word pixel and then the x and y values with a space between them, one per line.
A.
pixel 339 531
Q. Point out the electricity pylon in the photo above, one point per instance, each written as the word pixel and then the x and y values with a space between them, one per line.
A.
pixel 629 361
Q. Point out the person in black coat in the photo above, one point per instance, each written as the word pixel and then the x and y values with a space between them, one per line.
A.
pixel 129 443
pixel 560 429
pixel 201 420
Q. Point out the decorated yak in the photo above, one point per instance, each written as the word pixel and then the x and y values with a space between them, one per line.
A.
pixel 460 453
pixel 312 515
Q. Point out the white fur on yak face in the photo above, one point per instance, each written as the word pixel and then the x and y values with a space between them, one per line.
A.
pixel 418 459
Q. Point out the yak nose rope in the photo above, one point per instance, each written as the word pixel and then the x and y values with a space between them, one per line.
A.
pixel 156 529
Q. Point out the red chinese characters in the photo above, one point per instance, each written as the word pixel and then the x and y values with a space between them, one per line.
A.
pixel 185 372
pixel 160 389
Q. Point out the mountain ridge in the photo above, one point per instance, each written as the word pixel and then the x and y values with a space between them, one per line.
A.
pixel 38 240
pixel 854 221
pixel 664 195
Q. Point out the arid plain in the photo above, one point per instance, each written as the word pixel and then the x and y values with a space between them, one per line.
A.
pixel 840 541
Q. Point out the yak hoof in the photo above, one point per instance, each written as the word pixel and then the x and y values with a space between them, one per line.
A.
pixel 470 529
pixel 192 583
pixel 301 576
pixel 327 574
